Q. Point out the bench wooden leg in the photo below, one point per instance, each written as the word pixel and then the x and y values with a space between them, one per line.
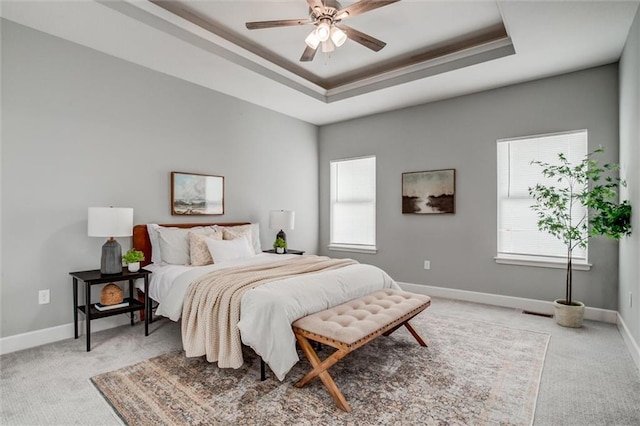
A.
pixel 415 334
pixel 320 370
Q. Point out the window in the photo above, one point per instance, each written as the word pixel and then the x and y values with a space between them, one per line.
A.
pixel 519 240
pixel 353 205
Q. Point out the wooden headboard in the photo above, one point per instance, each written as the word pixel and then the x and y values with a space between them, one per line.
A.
pixel 142 242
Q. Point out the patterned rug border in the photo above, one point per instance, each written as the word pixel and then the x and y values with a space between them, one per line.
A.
pixel 257 392
pixel 116 415
pixel 544 356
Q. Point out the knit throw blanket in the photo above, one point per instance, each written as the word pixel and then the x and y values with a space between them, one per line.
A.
pixel 211 309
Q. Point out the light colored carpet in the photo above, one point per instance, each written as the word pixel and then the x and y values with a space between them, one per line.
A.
pixel 589 377
pixel 473 372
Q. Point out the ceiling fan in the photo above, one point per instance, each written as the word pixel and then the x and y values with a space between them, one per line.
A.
pixel 329 31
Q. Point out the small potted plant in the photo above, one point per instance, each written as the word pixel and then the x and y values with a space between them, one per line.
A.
pixel 280 245
pixel 133 258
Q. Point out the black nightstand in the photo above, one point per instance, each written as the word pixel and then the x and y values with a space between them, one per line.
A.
pixel 89 310
pixel 289 251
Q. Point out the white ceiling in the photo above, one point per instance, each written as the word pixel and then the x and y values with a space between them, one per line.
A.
pixel 262 67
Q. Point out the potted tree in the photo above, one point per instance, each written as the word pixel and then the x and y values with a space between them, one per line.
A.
pixel 280 245
pixel 604 215
pixel 133 258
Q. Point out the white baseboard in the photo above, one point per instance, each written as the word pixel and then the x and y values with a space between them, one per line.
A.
pixel 32 339
pixel 533 305
pixel 62 332
pixel 632 345
pixel 544 307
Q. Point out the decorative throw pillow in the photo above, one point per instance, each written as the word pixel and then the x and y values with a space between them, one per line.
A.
pixel 199 251
pixel 252 231
pixel 225 250
pixel 231 233
pixel 174 243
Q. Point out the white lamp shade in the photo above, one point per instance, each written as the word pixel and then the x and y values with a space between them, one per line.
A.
pixel 338 36
pixel 110 222
pixel 328 47
pixel 281 219
pixel 323 31
pixel 312 40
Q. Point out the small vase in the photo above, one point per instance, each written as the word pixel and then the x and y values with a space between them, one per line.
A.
pixel 133 267
pixel 279 250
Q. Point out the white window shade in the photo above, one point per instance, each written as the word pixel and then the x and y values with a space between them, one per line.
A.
pixel 518 234
pixel 353 204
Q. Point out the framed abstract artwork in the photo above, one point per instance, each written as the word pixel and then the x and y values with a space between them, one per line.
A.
pixel 430 192
pixel 196 194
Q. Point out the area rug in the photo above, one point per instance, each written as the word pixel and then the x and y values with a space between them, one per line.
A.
pixel 472 373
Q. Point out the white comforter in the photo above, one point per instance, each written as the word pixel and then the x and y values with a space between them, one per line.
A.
pixel 268 311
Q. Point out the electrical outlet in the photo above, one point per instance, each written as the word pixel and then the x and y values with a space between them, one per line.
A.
pixel 630 300
pixel 43 297
pixel 427 264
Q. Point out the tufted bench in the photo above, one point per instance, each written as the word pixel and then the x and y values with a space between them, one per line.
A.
pixel 351 325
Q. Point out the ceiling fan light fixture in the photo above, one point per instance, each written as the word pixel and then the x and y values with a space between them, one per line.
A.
pixel 328 47
pixel 312 40
pixel 338 36
pixel 326 18
pixel 323 31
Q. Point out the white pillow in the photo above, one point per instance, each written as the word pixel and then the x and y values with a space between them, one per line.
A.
pixel 174 243
pixel 224 250
pixel 255 238
pixel 253 231
pixel 152 229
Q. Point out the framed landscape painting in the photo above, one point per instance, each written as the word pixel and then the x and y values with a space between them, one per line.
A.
pixel 196 194
pixel 430 192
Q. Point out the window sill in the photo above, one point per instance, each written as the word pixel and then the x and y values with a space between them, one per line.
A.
pixel 354 249
pixel 541 263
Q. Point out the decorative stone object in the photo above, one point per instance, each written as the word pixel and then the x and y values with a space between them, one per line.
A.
pixel 111 294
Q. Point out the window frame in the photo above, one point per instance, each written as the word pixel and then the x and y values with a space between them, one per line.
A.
pixel 351 247
pixel 545 261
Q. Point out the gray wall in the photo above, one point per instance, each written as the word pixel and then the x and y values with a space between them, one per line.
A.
pixel 80 129
pixel 461 133
pixel 630 170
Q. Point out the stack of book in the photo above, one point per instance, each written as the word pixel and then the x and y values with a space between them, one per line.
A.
pixel 101 307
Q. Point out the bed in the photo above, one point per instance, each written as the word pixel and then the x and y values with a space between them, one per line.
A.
pixel 257 295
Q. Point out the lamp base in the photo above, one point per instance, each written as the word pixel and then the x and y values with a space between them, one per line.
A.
pixel 111 261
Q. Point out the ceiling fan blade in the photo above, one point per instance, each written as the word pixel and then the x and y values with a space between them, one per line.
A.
pixel 258 25
pixel 308 54
pixel 364 39
pixel 361 7
pixel 315 3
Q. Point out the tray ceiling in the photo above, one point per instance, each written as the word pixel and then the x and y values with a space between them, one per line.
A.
pixel 435 49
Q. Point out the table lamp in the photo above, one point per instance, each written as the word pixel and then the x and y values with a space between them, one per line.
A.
pixel 110 222
pixel 281 219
